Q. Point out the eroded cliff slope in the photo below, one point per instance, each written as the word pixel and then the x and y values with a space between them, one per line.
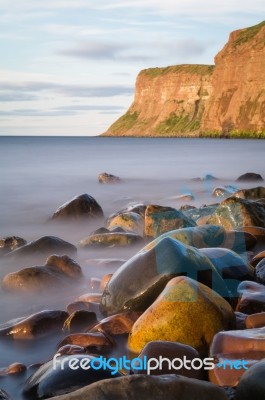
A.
pixel 193 100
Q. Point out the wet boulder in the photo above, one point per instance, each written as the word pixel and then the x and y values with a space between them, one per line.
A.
pixel 250 177
pixel 187 312
pixel 252 383
pixel 225 191
pixel 43 247
pixel 255 320
pixel 95 342
pixel 51 379
pixel 128 221
pixel 110 239
pixel 235 212
pixel 251 194
pixel 80 321
pixel 160 219
pixel 252 297
pixel 170 387
pixel 58 271
pixel 11 243
pixel 137 283
pixel 104 177
pixel 36 325
pixel 260 271
pixel 4 395
pixel 118 324
pixel 83 207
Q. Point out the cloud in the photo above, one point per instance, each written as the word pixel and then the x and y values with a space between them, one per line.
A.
pixel 10 96
pixel 91 107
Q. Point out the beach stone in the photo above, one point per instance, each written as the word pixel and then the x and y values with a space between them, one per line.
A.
pixel 187 312
pixel 129 221
pixel 43 247
pixel 81 306
pixel 104 177
pixel 169 387
pixel 197 213
pixel 35 326
pixel 246 345
pixel 96 342
pixel 16 368
pixel 255 320
pixel 225 191
pixel 240 320
pixel 79 321
pixel 230 266
pixel 137 283
pixel 118 324
pixel 104 281
pixel 79 208
pixel 250 176
pixel 110 240
pixel 159 349
pixel 257 258
pixel 234 212
pixel 160 219
pixel 260 271
pixel 251 194
pixel 252 297
pixel 90 297
pixel 4 395
pixel 11 243
pixel 48 381
pixel 70 349
pixel 58 271
pixel 252 383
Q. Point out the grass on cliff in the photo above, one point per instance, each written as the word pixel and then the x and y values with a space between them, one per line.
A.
pixel 124 123
pixel 199 69
pixel 175 124
pixel 248 34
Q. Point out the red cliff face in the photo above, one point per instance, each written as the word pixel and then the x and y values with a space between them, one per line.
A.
pixel 238 96
pixel 190 100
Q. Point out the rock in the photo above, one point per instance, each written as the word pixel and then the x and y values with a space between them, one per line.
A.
pixel 170 387
pixel 187 312
pixel 252 297
pixel 252 384
pixel 160 219
pixel 134 208
pixel 104 177
pixel 90 297
pixel 240 320
pixel 110 240
pixel 80 321
pixel 197 213
pixel 16 368
pixel 52 380
pixel 58 271
pixel 250 177
pixel 255 320
pixel 225 191
pixel 260 271
pixel 96 343
pixel 234 352
pixel 171 350
pixel 251 194
pixel 257 258
pixel 11 243
pixel 136 284
pixel 4 395
pixel 182 197
pixel 81 207
pixel 230 266
pixel 36 325
pixel 71 349
pixel 234 213
pixel 118 324
pixel 129 221
pixel 105 279
pixel 43 247
pixel 82 306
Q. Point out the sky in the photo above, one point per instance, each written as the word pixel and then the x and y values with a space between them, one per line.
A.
pixel 68 67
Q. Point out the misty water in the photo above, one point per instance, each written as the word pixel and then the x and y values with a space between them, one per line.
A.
pixel 40 174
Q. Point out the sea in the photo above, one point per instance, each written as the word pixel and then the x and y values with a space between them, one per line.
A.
pixel 38 174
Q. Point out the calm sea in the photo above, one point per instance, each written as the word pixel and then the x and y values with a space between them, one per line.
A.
pixel 39 174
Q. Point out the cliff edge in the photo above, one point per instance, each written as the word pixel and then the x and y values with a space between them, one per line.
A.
pixel 196 100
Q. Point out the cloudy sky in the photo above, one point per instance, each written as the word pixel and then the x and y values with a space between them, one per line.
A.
pixel 68 67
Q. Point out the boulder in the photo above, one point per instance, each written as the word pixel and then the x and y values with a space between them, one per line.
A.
pixel 129 221
pixel 137 283
pixel 104 177
pixel 251 194
pixel 250 177
pixel 110 239
pixel 255 320
pixel 257 258
pixel 11 243
pixel 36 325
pixel 118 324
pixel 187 312
pixel 80 321
pixel 252 383
pixel 235 212
pixel 170 387
pixel 260 272
pixel 252 297
pixel 52 380
pixel 225 191
pixel 160 219
pixel 83 207
pixel 93 342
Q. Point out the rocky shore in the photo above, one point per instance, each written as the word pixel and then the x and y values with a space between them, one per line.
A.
pixel 183 318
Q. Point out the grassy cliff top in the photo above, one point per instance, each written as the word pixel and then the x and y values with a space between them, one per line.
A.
pixel 199 69
pixel 247 34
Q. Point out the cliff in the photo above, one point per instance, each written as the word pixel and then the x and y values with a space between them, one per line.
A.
pixel 193 100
